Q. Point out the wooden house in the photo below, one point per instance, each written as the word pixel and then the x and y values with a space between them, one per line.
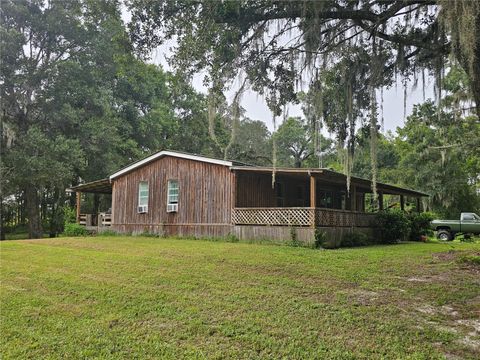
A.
pixel 173 193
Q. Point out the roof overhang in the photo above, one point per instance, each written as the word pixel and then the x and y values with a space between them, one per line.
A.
pixel 332 176
pixel 103 186
pixel 169 153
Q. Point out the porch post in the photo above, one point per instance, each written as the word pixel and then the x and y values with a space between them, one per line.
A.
pixel 402 202
pixel 419 205
pixel 380 200
pixel 79 200
pixel 313 196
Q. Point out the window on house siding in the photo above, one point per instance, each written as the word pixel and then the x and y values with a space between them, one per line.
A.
pixel 172 192
pixel 143 193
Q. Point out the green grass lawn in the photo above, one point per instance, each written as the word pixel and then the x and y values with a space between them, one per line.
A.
pixel 127 297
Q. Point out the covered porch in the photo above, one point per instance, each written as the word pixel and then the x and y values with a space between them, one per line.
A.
pixel 312 198
pixel 99 214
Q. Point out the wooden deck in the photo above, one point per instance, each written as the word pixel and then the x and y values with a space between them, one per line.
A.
pixel 301 216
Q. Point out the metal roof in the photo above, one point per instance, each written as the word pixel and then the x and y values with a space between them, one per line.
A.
pixel 103 186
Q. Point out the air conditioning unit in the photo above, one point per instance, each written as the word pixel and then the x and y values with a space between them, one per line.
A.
pixel 143 209
pixel 172 208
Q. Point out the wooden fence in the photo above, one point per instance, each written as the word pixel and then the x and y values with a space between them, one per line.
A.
pixel 296 216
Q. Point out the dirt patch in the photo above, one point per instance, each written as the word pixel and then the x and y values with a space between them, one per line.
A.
pixel 446 256
pixel 466 260
pixel 364 297
pixel 428 278
pixel 427 309
pixel 472 324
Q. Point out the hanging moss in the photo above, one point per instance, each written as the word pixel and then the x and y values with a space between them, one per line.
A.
pixel 460 17
pixel 212 103
pixel 235 118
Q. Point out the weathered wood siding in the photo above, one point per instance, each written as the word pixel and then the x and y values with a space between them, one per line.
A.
pixel 204 202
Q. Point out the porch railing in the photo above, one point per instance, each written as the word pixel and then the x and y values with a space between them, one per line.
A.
pixel 273 216
pixel 92 220
pixel 294 216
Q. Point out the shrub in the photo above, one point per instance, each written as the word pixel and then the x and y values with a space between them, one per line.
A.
pixel 147 233
pixel 293 238
pixel 73 229
pixel 420 225
pixel 231 238
pixel 320 238
pixel 69 215
pixel 392 226
pixel 355 239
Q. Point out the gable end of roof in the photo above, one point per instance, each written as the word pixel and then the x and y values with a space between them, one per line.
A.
pixel 164 153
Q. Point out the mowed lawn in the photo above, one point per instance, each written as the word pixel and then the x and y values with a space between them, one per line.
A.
pixel 134 297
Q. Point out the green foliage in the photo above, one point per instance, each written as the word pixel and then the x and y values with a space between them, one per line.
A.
pixel 295 145
pixel 69 215
pixel 147 233
pixel 74 229
pixel 320 238
pixel 470 259
pixel 439 155
pixel 420 224
pixel 356 238
pixel 294 238
pixel 252 144
pixel 231 238
pixel 392 226
pixel 109 232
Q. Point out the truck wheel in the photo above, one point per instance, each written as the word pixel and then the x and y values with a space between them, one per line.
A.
pixel 444 235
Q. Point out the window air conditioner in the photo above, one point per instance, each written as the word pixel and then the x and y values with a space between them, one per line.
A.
pixel 143 209
pixel 172 208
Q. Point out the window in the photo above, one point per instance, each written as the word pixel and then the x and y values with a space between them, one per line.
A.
pixel 172 197
pixel 142 196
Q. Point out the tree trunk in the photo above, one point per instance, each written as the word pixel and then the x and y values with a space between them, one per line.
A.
pixel 35 230
pixel 298 161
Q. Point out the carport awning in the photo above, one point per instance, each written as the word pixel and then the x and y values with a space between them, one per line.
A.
pixel 103 186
